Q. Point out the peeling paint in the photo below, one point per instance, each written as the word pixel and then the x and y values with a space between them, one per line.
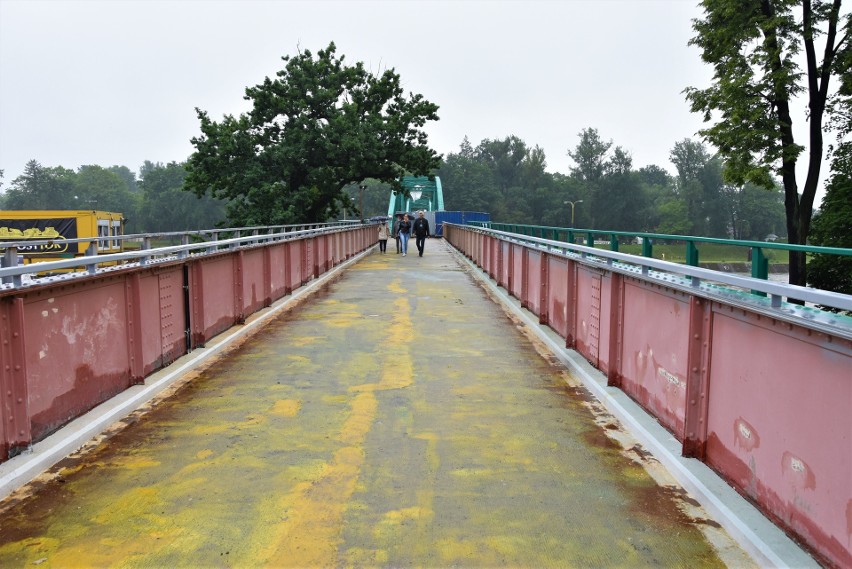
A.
pixel 797 472
pixel 745 435
pixel 670 377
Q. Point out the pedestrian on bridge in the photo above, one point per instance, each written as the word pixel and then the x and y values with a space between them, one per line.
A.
pixel 395 231
pixel 421 231
pixel 404 231
pixel 383 236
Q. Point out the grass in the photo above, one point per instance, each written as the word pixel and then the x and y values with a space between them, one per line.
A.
pixel 707 253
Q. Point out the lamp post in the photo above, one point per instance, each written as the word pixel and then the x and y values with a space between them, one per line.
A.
pixel 572 209
pixel 362 187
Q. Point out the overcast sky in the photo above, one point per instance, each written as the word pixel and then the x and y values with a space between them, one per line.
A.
pixel 116 82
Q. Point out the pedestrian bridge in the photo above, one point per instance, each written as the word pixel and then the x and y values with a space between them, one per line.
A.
pixel 300 400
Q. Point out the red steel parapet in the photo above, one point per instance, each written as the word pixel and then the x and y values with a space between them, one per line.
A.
pixel 756 387
pixel 70 342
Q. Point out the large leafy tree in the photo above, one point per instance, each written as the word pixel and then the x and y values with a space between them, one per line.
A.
pixel 753 47
pixel 319 125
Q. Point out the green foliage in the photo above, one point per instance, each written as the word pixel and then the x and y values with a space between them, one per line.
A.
pixel 167 207
pixel 755 212
pixel 832 227
pixel 467 181
pixel 590 155
pixel 40 187
pixel 318 126
pixel 753 46
pixel 157 203
pixel 96 187
pixel 504 177
pixel 674 218
pixel 508 179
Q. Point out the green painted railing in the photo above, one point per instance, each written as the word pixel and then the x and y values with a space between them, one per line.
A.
pixel 593 237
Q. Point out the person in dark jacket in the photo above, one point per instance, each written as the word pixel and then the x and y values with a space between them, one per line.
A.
pixel 404 232
pixel 421 231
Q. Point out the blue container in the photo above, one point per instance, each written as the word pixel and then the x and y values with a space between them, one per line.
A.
pixel 457 217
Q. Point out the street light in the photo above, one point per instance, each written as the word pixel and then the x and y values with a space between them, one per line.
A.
pixel 362 187
pixel 572 209
pixel 416 193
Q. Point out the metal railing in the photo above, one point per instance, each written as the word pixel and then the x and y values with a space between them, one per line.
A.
pixel 200 242
pixel 769 297
pixel 758 258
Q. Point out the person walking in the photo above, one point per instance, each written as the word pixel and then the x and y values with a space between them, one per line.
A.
pixel 421 231
pixel 383 236
pixel 395 232
pixel 404 232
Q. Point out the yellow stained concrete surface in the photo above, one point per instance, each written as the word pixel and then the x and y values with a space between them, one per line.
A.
pixel 398 419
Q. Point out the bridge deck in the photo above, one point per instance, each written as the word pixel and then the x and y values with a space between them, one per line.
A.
pixel 399 418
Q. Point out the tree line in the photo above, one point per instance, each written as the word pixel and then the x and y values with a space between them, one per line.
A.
pixel 505 177
pixel 155 201
pixel 508 178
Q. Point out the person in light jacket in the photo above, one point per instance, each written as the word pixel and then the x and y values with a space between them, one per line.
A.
pixel 383 236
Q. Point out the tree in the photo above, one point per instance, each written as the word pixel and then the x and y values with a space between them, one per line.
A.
pixel 467 181
pixel 318 126
pixel 505 158
pixel 755 212
pixel 166 206
pixel 40 187
pixel 127 175
pixel 590 156
pixel 752 46
pixel 96 187
pixel 699 184
pixel 658 187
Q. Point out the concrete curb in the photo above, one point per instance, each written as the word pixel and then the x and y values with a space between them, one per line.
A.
pixel 767 544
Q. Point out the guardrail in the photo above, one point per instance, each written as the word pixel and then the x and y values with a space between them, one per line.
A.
pixel 200 242
pixel 759 260
pixel 71 341
pixel 764 295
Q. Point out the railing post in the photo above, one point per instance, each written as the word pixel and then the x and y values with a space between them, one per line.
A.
pixel 613 242
pixel 10 259
pixel 759 267
pixel 146 245
pixel 647 247
pixel 92 251
pixel 691 254
pixel 184 240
